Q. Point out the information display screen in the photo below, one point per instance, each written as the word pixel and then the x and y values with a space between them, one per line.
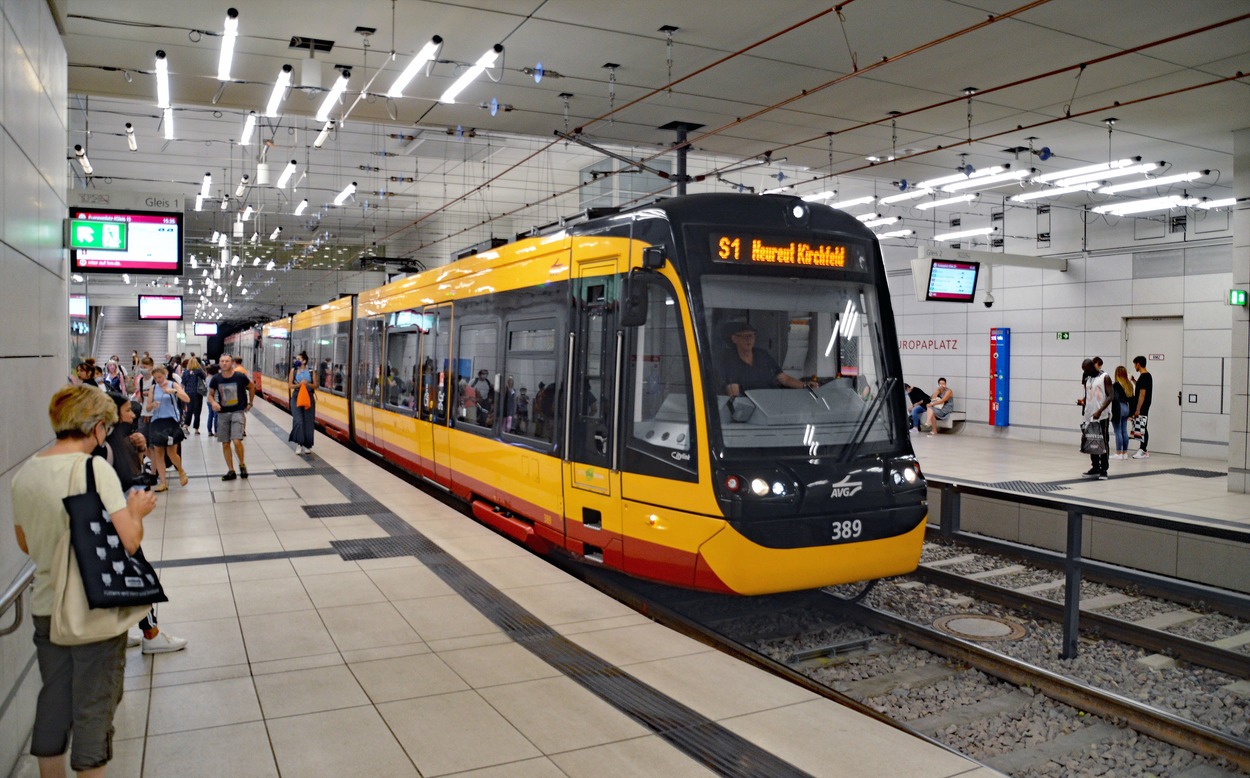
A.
pixel 112 241
pixel 779 251
pixel 160 307
pixel 78 306
pixel 952 282
pixel 204 328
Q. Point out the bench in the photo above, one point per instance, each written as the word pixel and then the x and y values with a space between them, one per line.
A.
pixel 956 417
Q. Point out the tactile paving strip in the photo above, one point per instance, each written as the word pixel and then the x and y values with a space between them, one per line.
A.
pixel 1194 472
pixel 1028 487
pixel 331 509
pixel 697 736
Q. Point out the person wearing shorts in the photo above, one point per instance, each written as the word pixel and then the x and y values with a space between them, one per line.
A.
pixel 230 394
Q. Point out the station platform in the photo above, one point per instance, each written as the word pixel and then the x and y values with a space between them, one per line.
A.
pixel 344 622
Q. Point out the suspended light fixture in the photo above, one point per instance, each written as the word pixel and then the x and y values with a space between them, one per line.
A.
pixel 255 239
pixel 162 80
pixel 247 213
pixel 883 221
pixel 206 185
pixel 1144 206
pixel 256 260
pixel 934 183
pixel 896 234
pixel 866 217
pixel 854 202
pixel 168 121
pixel 227 44
pixel 269 266
pixel 216 235
pixel 485 61
pixel 347 192
pixel 125 278
pixel 194 264
pixel 818 196
pixel 287 172
pixel 279 91
pixel 199 202
pixel 225 202
pixel 83 162
pixel 946 202
pixel 1080 171
pixel 425 56
pixel 1224 202
pixel 911 195
pixel 1144 167
pixel 992 180
pixel 131 141
pixel 222 241
pixel 965 234
pixel 1053 192
pixel 238 190
pixel 325 132
pixel 1153 182
pixel 340 86
pixel 301 207
pixel 249 126
pixel 273 236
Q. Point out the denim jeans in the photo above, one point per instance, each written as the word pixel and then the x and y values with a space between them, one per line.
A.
pixel 1121 433
pixel 917 414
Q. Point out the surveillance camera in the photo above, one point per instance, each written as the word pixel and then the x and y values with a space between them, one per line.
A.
pixel 989 300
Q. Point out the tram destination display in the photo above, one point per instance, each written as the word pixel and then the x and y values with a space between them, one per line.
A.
pixel 952 282
pixel 160 307
pixel 204 328
pixel 782 251
pixel 118 241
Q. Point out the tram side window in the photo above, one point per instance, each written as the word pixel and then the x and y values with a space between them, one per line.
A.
pixel 476 369
pixel 338 358
pixel 434 374
pixel 319 355
pixel 402 365
pixel 530 364
pixel 368 368
pixel 659 428
pixel 277 358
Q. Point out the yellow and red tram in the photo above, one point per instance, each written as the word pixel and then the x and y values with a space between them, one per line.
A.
pixel 572 389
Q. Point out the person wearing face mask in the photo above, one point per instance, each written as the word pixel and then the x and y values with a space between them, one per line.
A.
pixel 300 379
pixel 139 389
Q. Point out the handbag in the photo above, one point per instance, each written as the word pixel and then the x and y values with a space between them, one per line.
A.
pixel 303 399
pixel 201 386
pixel 165 432
pixel 1092 440
pixel 1139 427
pixel 100 590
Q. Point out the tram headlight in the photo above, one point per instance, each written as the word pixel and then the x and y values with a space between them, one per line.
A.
pixel 760 487
pixel 905 474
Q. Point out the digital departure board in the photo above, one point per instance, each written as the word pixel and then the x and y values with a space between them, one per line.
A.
pixel 775 251
pixel 952 282
pixel 112 241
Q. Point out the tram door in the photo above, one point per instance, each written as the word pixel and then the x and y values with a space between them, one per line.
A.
pixel 592 487
pixel 437 390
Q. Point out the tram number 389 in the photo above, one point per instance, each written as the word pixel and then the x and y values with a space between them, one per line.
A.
pixel 845 530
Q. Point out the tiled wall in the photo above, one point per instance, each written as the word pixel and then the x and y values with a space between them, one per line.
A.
pixel 1131 270
pixel 1238 459
pixel 34 338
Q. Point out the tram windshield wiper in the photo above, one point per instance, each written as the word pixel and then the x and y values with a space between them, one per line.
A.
pixel 870 418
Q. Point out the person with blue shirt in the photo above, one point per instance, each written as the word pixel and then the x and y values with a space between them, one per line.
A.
pixel 165 429
pixel 300 378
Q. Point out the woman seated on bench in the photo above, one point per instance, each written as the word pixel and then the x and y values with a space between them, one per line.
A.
pixel 941 404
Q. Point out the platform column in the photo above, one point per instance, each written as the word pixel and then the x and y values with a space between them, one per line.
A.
pixel 1239 428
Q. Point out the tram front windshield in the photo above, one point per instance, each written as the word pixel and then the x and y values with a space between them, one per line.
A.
pixel 797 366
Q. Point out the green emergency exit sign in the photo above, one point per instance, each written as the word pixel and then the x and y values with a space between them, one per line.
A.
pixel 1062 336
pixel 101 236
pixel 1237 297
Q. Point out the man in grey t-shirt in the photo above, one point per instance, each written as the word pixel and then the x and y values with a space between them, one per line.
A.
pixel 230 394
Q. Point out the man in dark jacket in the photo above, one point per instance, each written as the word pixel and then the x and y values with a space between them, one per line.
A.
pixel 917 402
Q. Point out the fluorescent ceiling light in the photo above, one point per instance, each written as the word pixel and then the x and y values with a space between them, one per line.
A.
pixel 131 141
pixel 896 234
pixel 933 183
pixel 811 198
pixel 864 217
pixel 247 212
pixel 168 121
pixel 466 78
pixel 1224 202
pixel 339 87
pixel 227 44
pixel 947 201
pixel 884 221
pixel 213 239
pixel 272 236
pixel 162 80
pixel 965 233
pixel 908 195
pixel 1054 191
pixel 325 132
pixel 1143 206
pixel 204 187
pixel 125 278
pixel 81 153
pixel 1144 167
pixel 1080 171
pixel 347 192
pixel 778 190
pixel 222 240
pixel 199 202
pixel 854 202
pixel 279 90
pixel 287 172
pixel 423 57
pixel 238 192
pixel 249 126
pixel 1151 182
pixel 301 207
pixel 992 180
pixel 225 202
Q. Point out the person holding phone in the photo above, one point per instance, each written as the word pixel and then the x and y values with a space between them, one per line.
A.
pixel 165 429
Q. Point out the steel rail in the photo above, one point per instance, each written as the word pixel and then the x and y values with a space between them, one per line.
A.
pixel 12 596
pixel 1180 732
pixel 1193 651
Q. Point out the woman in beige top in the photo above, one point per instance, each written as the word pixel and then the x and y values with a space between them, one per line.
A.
pixel 82 685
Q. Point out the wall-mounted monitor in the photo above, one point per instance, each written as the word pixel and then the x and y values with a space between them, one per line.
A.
pixel 952 282
pixel 78 306
pixel 205 328
pixel 115 241
pixel 160 307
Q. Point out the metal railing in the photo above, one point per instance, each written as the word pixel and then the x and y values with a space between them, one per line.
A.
pixel 12 597
pixel 1074 564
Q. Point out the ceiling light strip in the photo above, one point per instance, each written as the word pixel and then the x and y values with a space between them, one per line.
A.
pixel 1053 192
pixel 485 61
pixel 1153 182
pixel 279 91
pixel 1131 170
pixel 946 202
pixel 999 178
pixel 228 37
pixel 424 57
pixel 1144 206
pixel 965 233
pixel 340 86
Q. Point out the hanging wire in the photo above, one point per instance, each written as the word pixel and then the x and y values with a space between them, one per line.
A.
pixel 845 37
pixel 1067 109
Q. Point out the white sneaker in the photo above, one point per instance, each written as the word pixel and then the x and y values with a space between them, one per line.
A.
pixel 299 450
pixel 134 636
pixel 163 643
pixel 1141 454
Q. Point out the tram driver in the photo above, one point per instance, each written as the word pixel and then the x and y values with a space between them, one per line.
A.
pixel 746 367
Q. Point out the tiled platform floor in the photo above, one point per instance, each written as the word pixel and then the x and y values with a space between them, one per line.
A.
pixel 303 664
